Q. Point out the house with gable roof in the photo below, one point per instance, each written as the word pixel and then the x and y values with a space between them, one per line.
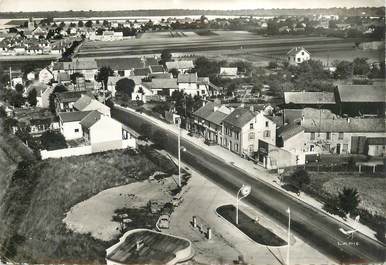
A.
pixel 297 55
pixel 181 66
pixel 86 103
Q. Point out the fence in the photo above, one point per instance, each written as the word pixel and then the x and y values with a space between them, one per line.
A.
pixel 86 150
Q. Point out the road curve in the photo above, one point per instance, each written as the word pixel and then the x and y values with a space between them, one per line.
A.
pixel 316 228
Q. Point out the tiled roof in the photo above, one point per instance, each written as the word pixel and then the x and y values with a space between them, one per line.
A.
pixel 239 117
pixel 303 97
pixel 295 51
pixel 216 117
pixel 141 71
pixel 286 132
pixel 362 93
pixel 73 116
pixel 179 65
pixel 344 125
pixel 205 110
pixel 376 141
pixel 187 78
pixel 157 68
pixel 121 63
pixel 161 76
pixel 82 102
pixel 162 84
pixel 90 119
pixel 63 76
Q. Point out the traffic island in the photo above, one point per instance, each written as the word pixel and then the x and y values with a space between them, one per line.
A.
pixel 250 227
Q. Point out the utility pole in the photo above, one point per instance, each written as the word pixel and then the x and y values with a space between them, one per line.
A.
pixel 10 77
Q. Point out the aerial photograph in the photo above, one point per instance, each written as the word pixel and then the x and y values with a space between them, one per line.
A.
pixel 208 132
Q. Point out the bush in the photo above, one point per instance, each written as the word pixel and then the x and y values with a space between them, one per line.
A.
pixel 332 206
pixel 298 178
pixel 53 140
pixel 380 235
pixel 348 200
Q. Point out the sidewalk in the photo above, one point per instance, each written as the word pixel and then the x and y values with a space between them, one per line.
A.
pixel 254 171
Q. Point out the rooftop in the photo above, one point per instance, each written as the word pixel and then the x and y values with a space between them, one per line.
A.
pixel 82 102
pixel 69 96
pixel 141 71
pixel 90 119
pixel 72 116
pixel 156 248
pixel 296 50
pixel 187 78
pixel 121 63
pixel 344 125
pixel 179 65
pixel 289 130
pixel 362 93
pixel 157 68
pixel 239 117
pixel 303 97
pixel 205 110
pixel 231 71
pixel 162 83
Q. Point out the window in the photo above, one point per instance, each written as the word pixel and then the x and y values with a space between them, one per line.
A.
pixel 312 136
pixel 251 148
pixel 267 133
pixel 76 130
pixel 251 126
pixel 298 59
pixel 345 148
pixel 237 135
pixel 312 147
pixel 302 53
pixel 266 124
pixel 236 148
pixel 328 136
pixel 340 137
pixel 251 136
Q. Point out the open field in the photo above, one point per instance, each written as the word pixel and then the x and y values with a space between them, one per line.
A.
pixel 38 197
pixel 371 189
pixel 227 40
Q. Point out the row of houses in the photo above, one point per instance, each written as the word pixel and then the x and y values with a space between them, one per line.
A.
pixel 304 128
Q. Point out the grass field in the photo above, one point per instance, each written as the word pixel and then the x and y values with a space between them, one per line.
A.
pixel 31 213
pixel 371 189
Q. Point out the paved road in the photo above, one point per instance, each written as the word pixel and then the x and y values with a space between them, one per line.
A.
pixel 314 227
pixel 139 46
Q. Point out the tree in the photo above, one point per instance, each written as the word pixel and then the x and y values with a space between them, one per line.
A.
pixel 298 178
pixel 160 139
pixel 105 23
pixel 125 86
pixel 19 88
pixel 51 140
pixel 348 200
pixel 31 99
pixel 16 100
pixel 360 66
pixel 174 72
pixel 344 70
pixel 74 76
pixel 145 130
pixel 80 23
pixel 272 65
pixel 103 75
pixel 166 56
pixel 88 24
pixel 57 89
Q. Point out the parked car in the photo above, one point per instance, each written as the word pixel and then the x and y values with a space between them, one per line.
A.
pixel 163 221
pixel 177 200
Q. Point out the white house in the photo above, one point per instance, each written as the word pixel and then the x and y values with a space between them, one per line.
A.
pixel 228 72
pixel 86 103
pixel 102 132
pixel 45 76
pixel 191 85
pixel 69 123
pixel 298 55
pixel 181 66
pixel 31 76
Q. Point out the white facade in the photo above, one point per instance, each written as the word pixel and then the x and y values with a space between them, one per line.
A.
pixel 298 55
pixel 45 76
pixel 71 130
pixel 105 130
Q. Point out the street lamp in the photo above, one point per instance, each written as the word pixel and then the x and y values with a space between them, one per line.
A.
pixel 179 151
pixel 289 235
pixel 245 190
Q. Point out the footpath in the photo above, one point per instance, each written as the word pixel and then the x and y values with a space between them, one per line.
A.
pixel 254 171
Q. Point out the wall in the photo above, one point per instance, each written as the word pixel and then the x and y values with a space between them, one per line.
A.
pixel 75 151
pixel 68 130
pixel 45 98
pixel 376 150
pixel 295 145
pixel 105 130
pixel 334 141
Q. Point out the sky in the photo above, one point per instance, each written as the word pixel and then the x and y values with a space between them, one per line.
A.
pixel 60 5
